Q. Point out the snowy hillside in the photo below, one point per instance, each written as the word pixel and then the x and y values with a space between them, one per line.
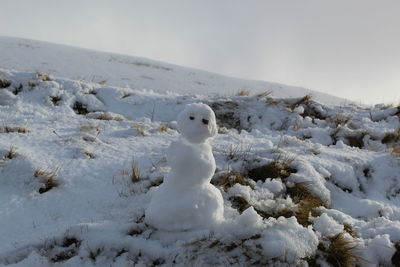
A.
pixel 303 183
pixel 134 72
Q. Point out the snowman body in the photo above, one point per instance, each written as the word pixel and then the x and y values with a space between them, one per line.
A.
pixel 186 200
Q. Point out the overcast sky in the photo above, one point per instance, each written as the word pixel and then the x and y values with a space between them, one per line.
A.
pixel 349 48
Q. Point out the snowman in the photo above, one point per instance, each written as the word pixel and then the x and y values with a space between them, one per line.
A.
pixel 186 200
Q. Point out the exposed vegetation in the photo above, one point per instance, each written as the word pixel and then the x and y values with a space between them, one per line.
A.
pixel 47 178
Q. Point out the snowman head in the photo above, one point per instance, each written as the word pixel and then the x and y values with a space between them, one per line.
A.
pixel 197 123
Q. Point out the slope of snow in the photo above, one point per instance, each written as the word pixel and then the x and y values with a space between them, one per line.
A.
pixel 134 72
pixel 85 136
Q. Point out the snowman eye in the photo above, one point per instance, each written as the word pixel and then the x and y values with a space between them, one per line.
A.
pixel 191 118
pixel 205 121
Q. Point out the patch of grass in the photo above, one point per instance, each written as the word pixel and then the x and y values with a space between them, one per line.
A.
pixel 103 82
pixel 164 128
pixel 396 256
pixel 105 116
pixel 72 245
pixel 350 230
pixel 139 128
pixel 126 94
pixel 4 83
pixel 18 89
pixel 237 152
pixel 48 179
pixel 80 108
pixel 393 137
pixel 133 173
pixel 280 167
pixel 226 113
pixel 55 99
pixel 11 153
pixel 13 129
pixel 340 252
pixel 357 139
pixel 264 94
pixel 307 202
pixel 339 120
pixel 243 92
pixel 44 77
pixel 229 179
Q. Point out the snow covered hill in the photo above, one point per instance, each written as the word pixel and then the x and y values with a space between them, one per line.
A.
pixel 127 71
pixel 303 183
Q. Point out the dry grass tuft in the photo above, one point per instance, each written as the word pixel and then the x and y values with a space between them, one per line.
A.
pixel 229 179
pixel 133 173
pixel 13 129
pixel 307 202
pixel 126 94
pixel 280 167
pixel 237 152
pixel 4 83
pixel 243 92
pixel 48 179
pixel 80 108
pixel 12 153
pixel 393 137
pixel 105 116
pixel 55 99
pixel 357 140
pixel 139 128
pixel 350 230
pixel 164 128
pixel 396 256
pixel 264 94
pixel 340 252
pixel 227 114
pixel 44 77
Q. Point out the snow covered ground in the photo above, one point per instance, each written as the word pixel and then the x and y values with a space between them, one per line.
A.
pixel 303 183
pixel 134 72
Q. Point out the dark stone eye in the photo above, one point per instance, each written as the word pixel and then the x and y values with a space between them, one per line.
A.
pixel 191 118
pixel 205 121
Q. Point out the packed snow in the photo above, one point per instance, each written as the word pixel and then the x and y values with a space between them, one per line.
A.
pixel 81 164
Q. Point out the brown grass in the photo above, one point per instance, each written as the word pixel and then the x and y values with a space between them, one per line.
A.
pixel 105 116
pixel 229 179
pixel 13 129
pixel 243 92
pixel 80 108
pixel 11 153
pixel 280 167
pixel 48 179
pixel 133 173
pixel 4 83
pixel 392 137
pixel 44 77
pixel 55 99
pixel 264 94
pixel 350 230
pixel 340 252
pixel 307 202
pixel 396 256
pixel 139 128
pixel 164 128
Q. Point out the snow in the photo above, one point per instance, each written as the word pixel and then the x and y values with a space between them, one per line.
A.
pixel 133 72
pixel 87 135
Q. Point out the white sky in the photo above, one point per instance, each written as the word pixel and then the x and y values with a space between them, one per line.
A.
pixel 349 48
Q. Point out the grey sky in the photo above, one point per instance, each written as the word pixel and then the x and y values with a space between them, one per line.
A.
pixel 349 48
